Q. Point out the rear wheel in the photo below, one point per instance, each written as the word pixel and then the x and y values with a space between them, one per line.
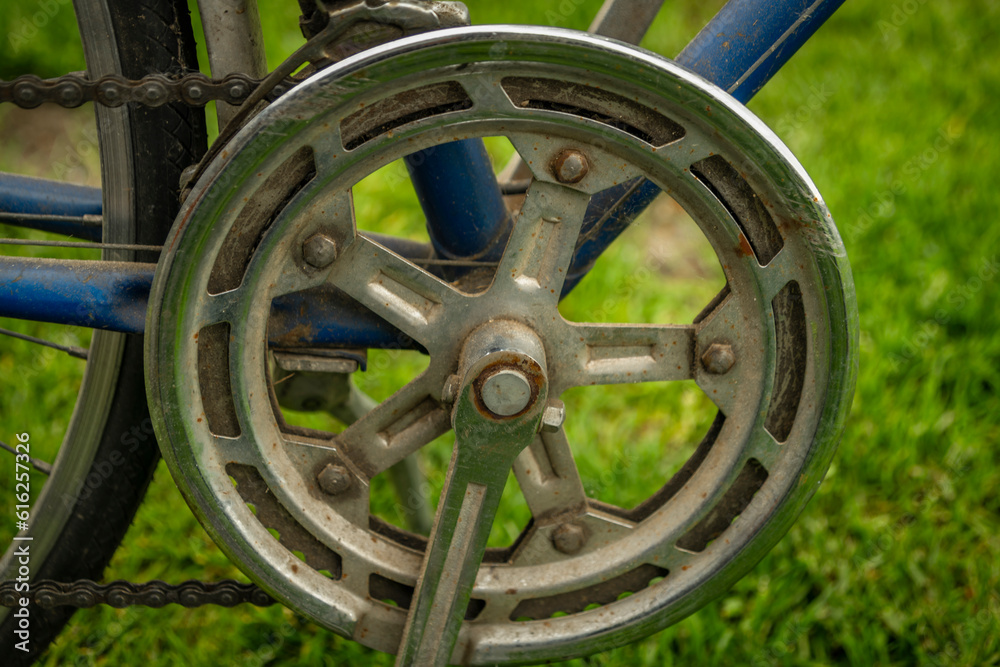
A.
pixel 109 452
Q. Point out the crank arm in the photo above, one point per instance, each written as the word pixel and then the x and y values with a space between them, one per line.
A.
pixel 497 414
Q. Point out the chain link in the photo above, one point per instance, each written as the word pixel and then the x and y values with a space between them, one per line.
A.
pixel 120 594
pixel 195 89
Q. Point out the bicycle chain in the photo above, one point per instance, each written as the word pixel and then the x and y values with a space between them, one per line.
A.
pixel 195 89
pixel 154 90
pixel 121 594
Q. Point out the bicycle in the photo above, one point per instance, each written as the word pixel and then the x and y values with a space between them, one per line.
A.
pixel 497 375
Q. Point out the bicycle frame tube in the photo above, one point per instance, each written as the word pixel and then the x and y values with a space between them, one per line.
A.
pixel 50 206
pixel 739 50
pixel 113 295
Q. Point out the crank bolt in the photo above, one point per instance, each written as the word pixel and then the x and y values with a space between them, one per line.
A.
pixel 334 479
pixel 319 251
pixel 506 392
pixel 569 538
pixel 570 166
pixel 553 416
pixel 718 358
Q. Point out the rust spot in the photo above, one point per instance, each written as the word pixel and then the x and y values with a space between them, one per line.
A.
pixel 745 248
pixel 295 568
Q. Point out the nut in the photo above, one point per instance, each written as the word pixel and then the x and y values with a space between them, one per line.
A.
pixel 553 416
pixel 319 251
pixel 570 166
pixel 569 538
pixel 718 358
pixel 334 479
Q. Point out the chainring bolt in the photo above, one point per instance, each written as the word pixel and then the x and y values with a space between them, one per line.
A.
pixel 570 166
pixel 553 416
pixel 334 479
pixel 319 251
pixel 569 538
pixel 506 392
pixel 718 358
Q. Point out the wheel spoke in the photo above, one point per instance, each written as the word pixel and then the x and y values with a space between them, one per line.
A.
pixel 407 297
pixel 543 241
pixel 38 464
pixel 621 353
pixel 71 350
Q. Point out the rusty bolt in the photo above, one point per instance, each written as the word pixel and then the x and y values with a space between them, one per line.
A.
pixel 718 358
pixel 569 538
pixel 553 416
pixel 334 479
pixel 319 251
pixel 570 166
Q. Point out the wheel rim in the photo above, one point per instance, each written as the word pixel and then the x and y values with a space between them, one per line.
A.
pixel 783 388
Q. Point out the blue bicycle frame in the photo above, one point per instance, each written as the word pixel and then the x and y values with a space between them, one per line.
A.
pixel 746 43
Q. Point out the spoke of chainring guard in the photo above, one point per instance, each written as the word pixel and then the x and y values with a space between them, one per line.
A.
pixel 484 453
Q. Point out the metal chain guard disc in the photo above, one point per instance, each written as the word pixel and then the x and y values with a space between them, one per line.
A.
pixel 788 315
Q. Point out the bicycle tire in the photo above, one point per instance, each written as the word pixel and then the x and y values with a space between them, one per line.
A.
pixel 147 36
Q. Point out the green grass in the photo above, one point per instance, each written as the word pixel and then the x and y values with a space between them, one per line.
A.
pixel 896 560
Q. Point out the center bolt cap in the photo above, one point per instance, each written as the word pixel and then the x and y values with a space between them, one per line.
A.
pixel 506 392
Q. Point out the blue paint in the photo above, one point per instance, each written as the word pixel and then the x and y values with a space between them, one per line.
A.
pixel 741 34
pixel 99 295
pixel 725 49
pixel 114 296
pixel 329 318
pixel 458 191
pixel 38 196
